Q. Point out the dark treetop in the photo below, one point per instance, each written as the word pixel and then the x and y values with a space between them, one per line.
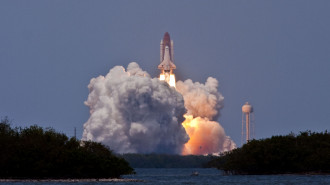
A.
pixel 33 152
pixel 305 153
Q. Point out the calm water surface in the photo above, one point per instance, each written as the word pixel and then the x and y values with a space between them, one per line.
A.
pixel 206 176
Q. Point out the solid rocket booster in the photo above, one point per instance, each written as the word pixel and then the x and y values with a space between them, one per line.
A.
pixel 166 55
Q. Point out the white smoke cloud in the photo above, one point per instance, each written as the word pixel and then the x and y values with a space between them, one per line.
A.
pixel 133 113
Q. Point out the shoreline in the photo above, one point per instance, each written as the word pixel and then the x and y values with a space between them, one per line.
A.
pixel 71 180
pixel 300 173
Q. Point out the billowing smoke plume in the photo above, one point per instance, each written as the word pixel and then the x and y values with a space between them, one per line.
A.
pixel 133 113
pixel 203 103
pixel 201 100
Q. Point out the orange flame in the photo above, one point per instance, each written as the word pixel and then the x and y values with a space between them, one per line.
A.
pixel 204 136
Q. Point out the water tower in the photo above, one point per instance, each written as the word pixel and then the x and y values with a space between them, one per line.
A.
pixel 247 113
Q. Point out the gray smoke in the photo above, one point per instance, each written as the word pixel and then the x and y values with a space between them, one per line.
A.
pixel 134 113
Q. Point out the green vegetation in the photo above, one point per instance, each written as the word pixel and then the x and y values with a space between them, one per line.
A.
pixel 33 152
pixel 305 153
pixel 166 160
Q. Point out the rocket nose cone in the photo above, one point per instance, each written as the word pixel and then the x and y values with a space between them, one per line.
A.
pixel 166 37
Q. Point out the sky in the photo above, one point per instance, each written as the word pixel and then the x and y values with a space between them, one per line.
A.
pixel 274 54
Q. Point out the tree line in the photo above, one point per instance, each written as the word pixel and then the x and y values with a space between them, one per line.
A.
pixel 307 152
pixel 37 153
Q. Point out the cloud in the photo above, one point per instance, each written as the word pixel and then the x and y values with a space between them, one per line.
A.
pixel 133 113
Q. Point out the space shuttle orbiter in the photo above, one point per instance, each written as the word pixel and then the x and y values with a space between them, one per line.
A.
pixel 166 55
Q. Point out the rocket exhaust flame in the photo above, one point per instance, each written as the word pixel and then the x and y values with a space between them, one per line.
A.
pixel 172 80
pixel 168 78
pixel 162 77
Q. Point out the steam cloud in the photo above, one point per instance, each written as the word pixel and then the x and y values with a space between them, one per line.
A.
pixel 134 113
pixel 201 100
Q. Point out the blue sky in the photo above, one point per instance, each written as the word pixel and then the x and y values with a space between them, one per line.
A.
pixel 274 54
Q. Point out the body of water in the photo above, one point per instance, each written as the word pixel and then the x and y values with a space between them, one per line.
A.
pixel 206 177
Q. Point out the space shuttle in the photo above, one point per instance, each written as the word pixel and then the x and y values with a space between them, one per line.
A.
pixel 166 55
